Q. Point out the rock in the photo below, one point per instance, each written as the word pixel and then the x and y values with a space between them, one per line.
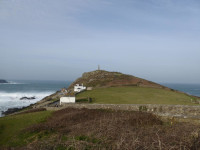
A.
pixel 3 81
pixel 27 98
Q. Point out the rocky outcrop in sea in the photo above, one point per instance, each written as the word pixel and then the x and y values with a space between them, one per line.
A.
pixel 27 98
pixel 3 81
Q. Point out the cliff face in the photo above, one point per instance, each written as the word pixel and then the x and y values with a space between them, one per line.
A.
pixel 3 81
pixel 101 78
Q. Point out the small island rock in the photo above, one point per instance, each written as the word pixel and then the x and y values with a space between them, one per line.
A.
pixel 3 81
pixel 27 98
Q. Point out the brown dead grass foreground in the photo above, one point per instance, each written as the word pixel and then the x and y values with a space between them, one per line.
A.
pixel 105 129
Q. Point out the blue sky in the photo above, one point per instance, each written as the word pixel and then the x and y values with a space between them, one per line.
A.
pixel 158 40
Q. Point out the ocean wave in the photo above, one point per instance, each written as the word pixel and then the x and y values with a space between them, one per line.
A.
pixel 11 100
pixel 5 96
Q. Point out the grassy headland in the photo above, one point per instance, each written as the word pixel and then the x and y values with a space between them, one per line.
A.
pixel 118 88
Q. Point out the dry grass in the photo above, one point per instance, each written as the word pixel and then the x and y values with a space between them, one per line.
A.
pixel 105 129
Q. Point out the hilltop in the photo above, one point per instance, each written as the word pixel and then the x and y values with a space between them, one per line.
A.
pixel 102 78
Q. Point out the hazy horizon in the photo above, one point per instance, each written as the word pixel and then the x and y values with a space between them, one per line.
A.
pixel 157 40
pixel 67 81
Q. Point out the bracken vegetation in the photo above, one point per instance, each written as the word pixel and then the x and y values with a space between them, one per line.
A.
pixel 106 129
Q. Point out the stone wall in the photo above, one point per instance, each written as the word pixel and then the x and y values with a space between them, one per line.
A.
pixel 181 111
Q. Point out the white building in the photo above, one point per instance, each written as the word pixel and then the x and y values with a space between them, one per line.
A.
pixel 67 100
pixel 79 88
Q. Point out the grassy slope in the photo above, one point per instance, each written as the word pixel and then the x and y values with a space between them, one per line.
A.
pixel 136 95
pixel 94 129
pixel 11 127
pixel 72 128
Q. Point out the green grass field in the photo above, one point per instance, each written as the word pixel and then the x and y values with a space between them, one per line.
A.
pixel 137 95
pixel 11 127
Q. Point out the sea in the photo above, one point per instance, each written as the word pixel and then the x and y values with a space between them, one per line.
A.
pixel 192 89
pixel 10 93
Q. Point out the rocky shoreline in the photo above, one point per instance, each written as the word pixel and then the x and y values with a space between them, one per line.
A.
pixel 14 110
pixel 11 111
